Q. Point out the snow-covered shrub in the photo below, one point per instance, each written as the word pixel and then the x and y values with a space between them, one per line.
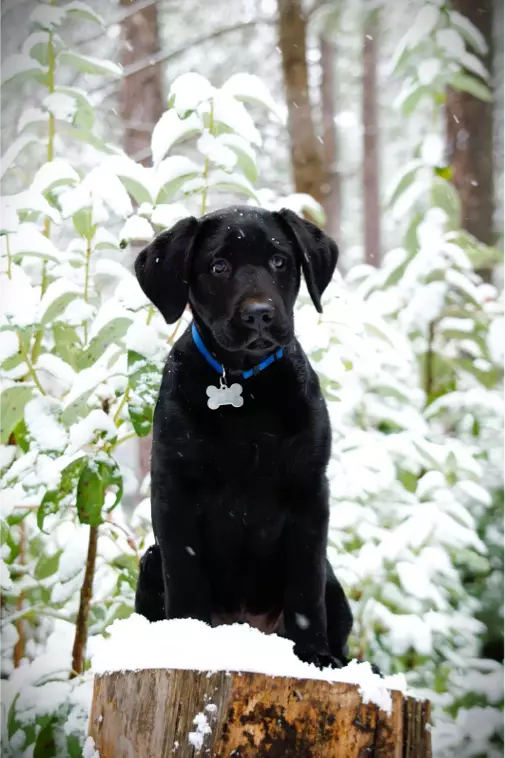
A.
pixel 418 424
pixel 81 353
pixel 410 358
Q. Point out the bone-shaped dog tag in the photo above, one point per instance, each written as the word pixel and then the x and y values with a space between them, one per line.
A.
pixel 224 395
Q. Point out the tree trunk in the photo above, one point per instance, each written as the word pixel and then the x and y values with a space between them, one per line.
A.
pixel 142 105
pixel 159 713
pixel 331 182
pixel 371 200
pixel 305 154
pixel 469 128
pixel 142 93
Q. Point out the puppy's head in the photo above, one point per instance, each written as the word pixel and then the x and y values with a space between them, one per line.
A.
pixel 239 269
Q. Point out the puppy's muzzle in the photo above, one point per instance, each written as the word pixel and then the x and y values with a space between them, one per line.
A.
pixel 257 315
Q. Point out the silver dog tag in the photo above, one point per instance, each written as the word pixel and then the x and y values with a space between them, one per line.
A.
pixel 224 395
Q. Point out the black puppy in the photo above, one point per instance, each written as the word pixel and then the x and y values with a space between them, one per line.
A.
pixel 239 492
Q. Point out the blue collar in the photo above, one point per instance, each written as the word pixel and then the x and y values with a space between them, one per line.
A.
pixel 220 369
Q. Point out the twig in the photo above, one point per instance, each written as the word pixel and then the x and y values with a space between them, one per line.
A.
pixel 81 625
pixel 162 57
pixel 19 648
pixel 31 369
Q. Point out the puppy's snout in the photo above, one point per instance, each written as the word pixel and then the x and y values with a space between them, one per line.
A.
pixel 257 315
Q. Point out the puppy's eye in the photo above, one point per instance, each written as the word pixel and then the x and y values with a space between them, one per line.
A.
pixel 219 267
pixel 278 261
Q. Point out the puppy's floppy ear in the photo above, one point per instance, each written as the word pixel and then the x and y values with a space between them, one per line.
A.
pixel 163 268
pixel 317 253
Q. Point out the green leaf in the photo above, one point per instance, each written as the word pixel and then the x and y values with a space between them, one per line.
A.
pixel 77 133
pixel 67 344
pixel 444 195
pixel 411 242
pixel 12 407
pixel 52 499
pixel 245 155
pixel 45 745
pixel 84 116
pixel 489 379
pixel 475 87
pixel 412 100
pixel 47 565
pixel 144 379
pixel 96 476
pixel 20 433
pixel 110 334
pixel 83 224
pixel 403 183
pixel 82 11
pixel 88 65
pixel 57 307
pixel 40 49
pixel 4 531
pixel 444 172
pixel 235 183
pixel 74 749
pixel 19 69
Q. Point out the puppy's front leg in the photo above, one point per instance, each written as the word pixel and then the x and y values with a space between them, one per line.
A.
pixel 175 523
pixel 304 598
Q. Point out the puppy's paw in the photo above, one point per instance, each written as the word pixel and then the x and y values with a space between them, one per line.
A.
pixel 377 670
pixel 320 659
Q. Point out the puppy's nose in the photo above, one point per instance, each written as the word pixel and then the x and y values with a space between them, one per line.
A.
pixel 257 315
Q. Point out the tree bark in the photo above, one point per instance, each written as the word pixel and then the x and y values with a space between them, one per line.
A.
pixel 142 92
pixel 305 154
pixel 371 199
pixel 142 105
pixel 151 713
pixel 331 180
pixel 469 130
pixel 81 623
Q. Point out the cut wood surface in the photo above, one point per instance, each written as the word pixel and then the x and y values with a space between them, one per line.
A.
pixel 151 714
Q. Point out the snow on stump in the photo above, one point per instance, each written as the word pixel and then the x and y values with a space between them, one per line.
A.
pixel 200 705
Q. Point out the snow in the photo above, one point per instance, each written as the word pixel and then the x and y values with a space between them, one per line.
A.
pixel 428 70
pixel 451 42
pixel 251 88
pixel 196 738
pixel 54 374
pixel 28 242
pixel 31 116
pixel 89 749
pixel 167 215
pixel 136 228
pixel 47 16
pixel 432 150
pixel 229 111
pixel 169 130
pixel 83 432
pixel 5 579
pixel 188 91
pixel 143 339
pixel 469 30
pixel 73 557
pixel 210 147
pixel 61 105
pixel 19 299
pixel 43 427
pixel 135 644
pixel 99 189
pixel 20 63
pixel 55 172
pixel 423 25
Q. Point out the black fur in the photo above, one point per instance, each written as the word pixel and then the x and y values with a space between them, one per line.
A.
pixel 239 496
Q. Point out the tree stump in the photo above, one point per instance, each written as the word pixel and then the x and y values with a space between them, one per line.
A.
pixel 160 713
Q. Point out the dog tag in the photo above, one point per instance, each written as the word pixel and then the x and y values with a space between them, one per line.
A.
pixel 225 395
